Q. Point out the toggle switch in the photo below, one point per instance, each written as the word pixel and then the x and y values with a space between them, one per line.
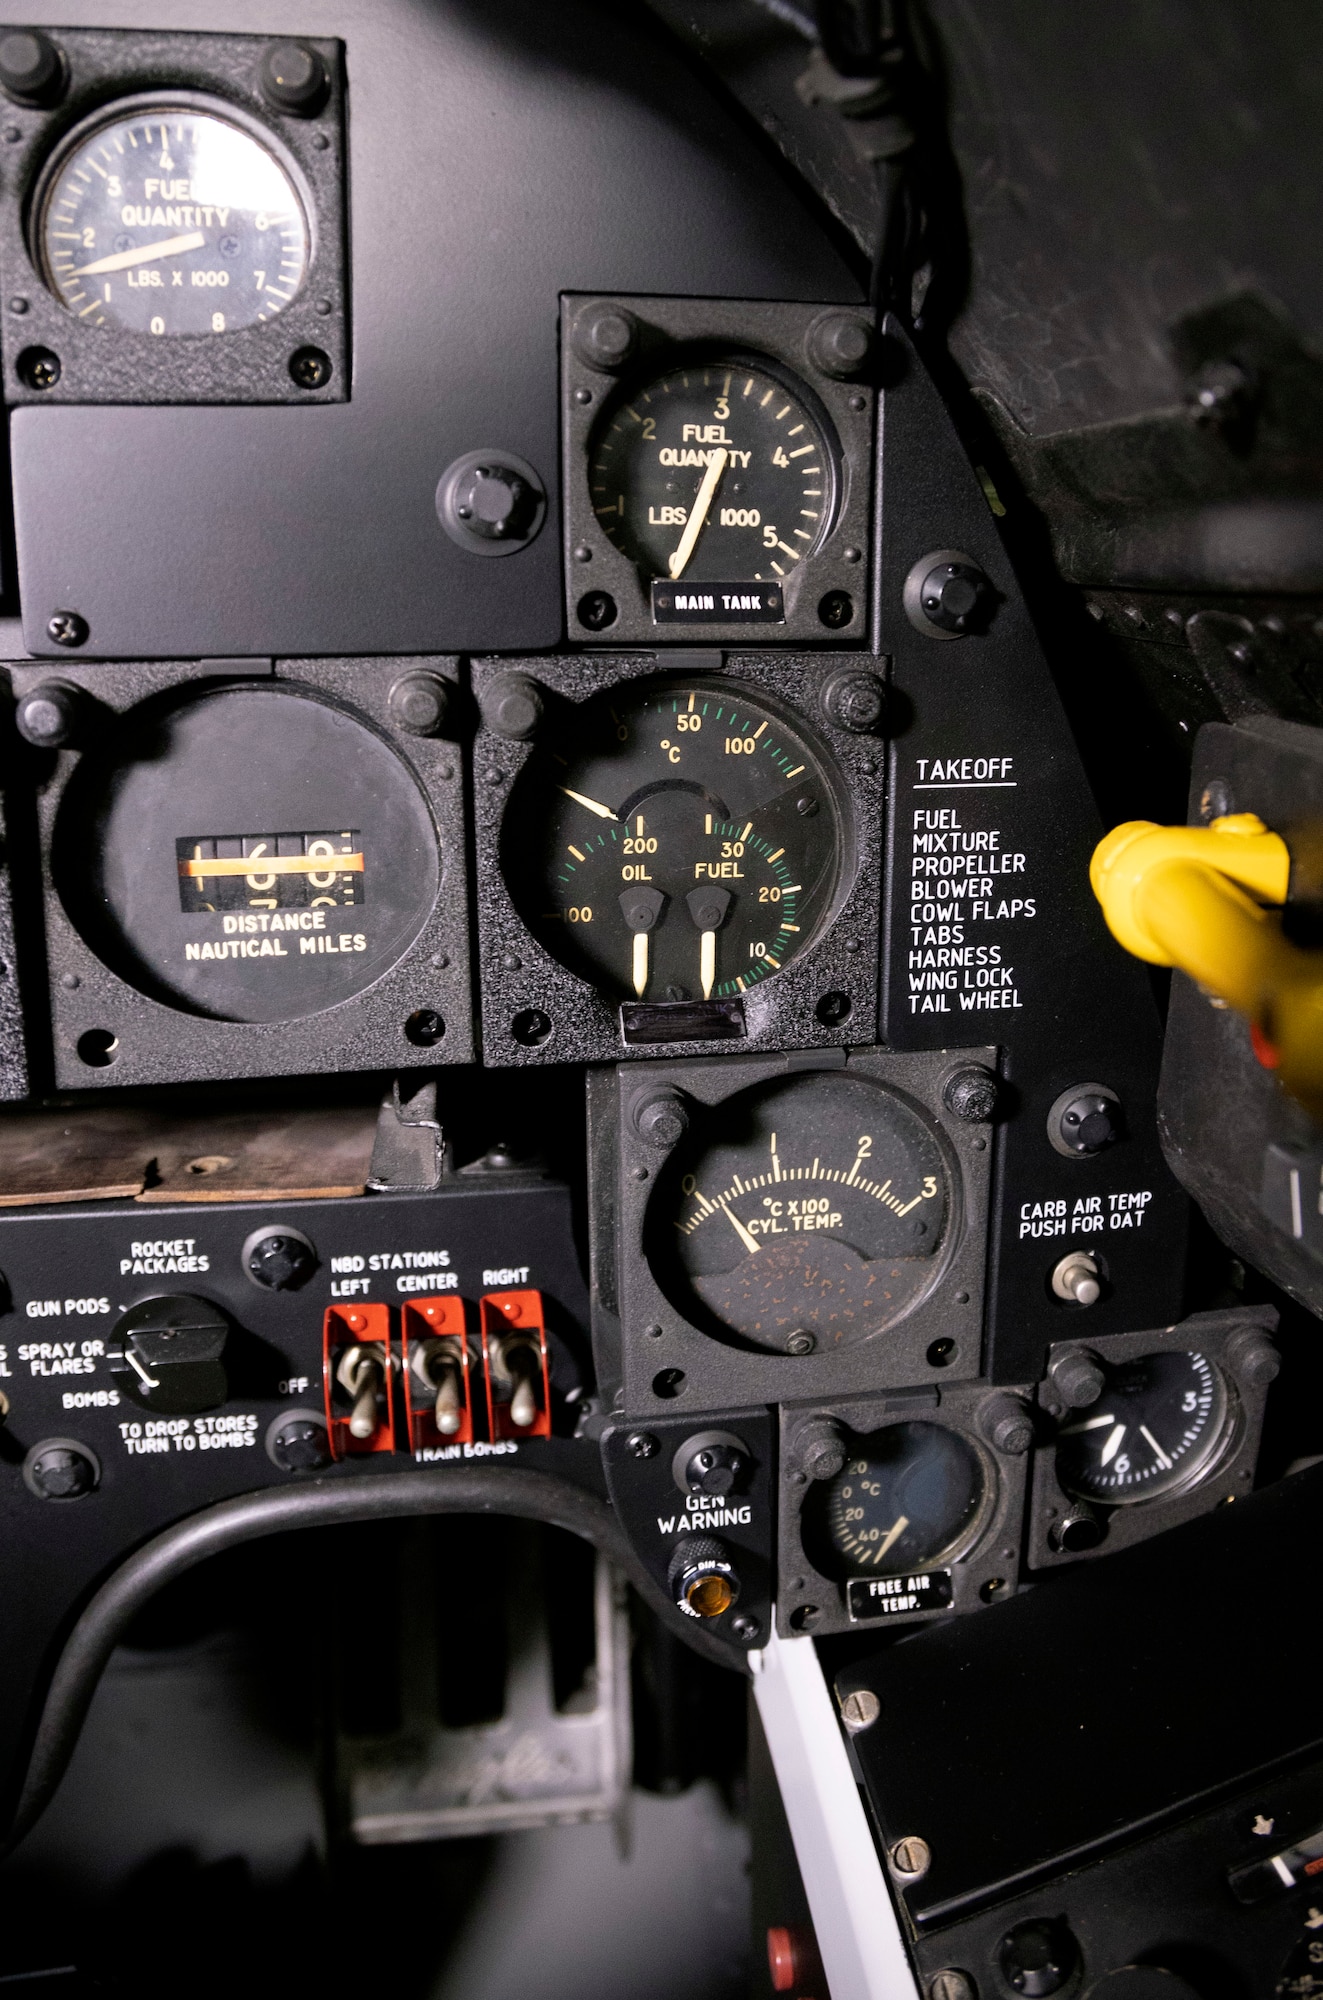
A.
pixel 514 1360
pixel 357 1379
pixel 438 1403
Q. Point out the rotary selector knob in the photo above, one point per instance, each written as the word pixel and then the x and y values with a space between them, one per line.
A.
pixel 173 1355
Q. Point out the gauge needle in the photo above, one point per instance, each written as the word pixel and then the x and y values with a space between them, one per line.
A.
pixel 603 812
pixel 892 1535
pixel 707 962
pixel 1158 1452
pixel 716 465
pixel 749 1242
pixel 1090 1424
pixel 640 963
pixel 1112 1446
pixel 169 246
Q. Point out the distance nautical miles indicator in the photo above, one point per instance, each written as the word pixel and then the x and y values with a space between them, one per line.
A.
pixel 270 871
pixel 683 845
pixel 714 471
pixel 804 1214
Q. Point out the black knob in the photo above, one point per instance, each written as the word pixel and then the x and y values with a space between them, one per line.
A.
pixel 702 1578
pixel 971 1094
pixel 818 1447
pixel 61 1469
pixel 293 78
pixel 854 700
pixel 1085 1120
pixel 512 706
pixel 1253 1358
pixel 1080 1528
pixel 1077 1376
pixel 1007 1423
pixel 1037 1958
pixel 661 1117
pixel 604 337
pixel 298 1442
pixel 173 1355
pixel 955 596
pixel 713 1462
pixel 840 344
pixel 420 703
pixel 31 67
pixel 48 715
pixel 279 1259
pixel 495 503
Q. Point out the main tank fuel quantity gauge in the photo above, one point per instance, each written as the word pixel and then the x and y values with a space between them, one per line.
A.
pixel 719 485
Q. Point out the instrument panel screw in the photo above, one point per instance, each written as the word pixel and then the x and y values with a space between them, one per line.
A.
pixel 38 368
pixel 641 1444
pixel 951 1985
pixel 597 611
pixel 745 1627
pixel 910 1858
pixel 309 368
pixel 860 1710
pixel 801 1341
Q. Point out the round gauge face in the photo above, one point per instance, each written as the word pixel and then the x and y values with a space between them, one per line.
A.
pixel 682 843
pixel 252 853
pixel 1158 1425
pixel 172 220
pixel 805 1215
pixel 718 471
pixel 909 1496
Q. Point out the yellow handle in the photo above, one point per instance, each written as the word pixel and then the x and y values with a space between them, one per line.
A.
pixel 1193 897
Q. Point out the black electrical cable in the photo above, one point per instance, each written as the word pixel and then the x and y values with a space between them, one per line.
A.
pixel 314 1504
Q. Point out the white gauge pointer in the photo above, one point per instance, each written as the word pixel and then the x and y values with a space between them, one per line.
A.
pixel 693 527
pixel 893 1534
pixel 708 908
pixel 169 246
pixel 603 812
pixel 749 1242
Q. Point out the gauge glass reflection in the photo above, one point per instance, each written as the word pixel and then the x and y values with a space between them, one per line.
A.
pixel 172 220
pixel 909 1496
pixel 1159 1424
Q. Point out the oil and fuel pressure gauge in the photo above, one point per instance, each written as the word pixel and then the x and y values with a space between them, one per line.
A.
pixel 682 843
pixel 718 457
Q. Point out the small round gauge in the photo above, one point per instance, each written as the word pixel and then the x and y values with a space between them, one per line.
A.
pixel 1159 1424
pixel 720 470
pixel 682 843
pixel 166 218
pixel 908 1497
pixel 805 1214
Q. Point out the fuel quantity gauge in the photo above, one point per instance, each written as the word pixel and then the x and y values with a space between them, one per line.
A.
pixel 810 1213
